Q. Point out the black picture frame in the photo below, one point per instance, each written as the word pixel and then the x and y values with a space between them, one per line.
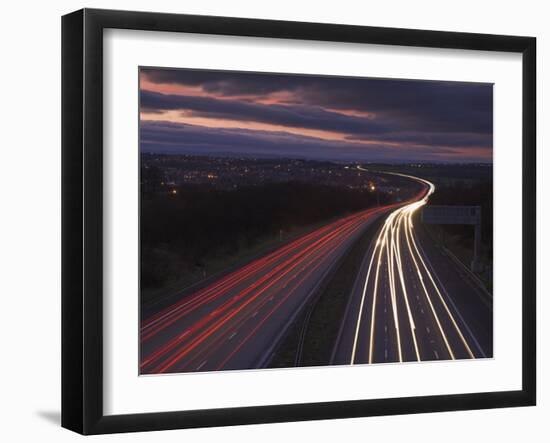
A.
pixel 82 218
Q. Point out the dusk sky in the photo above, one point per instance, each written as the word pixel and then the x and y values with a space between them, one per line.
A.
pixel 314 117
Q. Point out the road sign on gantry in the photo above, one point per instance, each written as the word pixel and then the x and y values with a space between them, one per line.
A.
pixel 451 215
pixel 457 215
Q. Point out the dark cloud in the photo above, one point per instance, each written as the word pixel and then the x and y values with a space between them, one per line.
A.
pixel 415 105
pixel 438 114
pixel 355 128
pixel 297 116
pixel 168 137
pixel 457 140
pixel 225 83
pixel 436 105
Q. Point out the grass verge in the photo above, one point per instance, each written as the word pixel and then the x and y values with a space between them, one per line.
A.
pixel 310 340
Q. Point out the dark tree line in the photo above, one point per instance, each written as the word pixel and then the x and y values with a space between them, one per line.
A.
pixel 477 194
pixel 184 232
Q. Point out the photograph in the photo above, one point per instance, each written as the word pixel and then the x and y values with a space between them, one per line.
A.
pixel 279 220
pixel 291 220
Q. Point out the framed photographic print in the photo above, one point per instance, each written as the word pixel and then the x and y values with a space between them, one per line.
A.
pixel 270 221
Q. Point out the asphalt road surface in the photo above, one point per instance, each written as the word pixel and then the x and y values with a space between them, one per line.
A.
pixel 412 301
pixel 236 321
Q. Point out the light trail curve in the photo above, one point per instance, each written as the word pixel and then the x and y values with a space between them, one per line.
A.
pixel 423 323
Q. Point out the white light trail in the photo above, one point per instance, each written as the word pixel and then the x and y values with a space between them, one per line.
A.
pixel 387 249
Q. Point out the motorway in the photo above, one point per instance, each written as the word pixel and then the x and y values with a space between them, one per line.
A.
pixel 399 309
pixel 236 321
pixel 411 301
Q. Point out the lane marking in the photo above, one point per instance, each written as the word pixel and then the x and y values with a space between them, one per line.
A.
pixel 388 252
pixel 449 298
pixel 201 365
pixel 403 285
pixel 361 307
pixel 447 310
